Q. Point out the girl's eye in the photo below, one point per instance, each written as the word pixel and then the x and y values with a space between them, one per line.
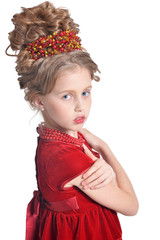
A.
pixel 86 93
pixel 67 97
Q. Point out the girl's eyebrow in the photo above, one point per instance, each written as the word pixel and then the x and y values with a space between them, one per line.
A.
pixel 71 90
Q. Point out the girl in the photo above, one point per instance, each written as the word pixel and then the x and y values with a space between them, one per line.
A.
pixel 79 193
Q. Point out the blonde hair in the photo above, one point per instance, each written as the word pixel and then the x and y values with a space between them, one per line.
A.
pixel 39 77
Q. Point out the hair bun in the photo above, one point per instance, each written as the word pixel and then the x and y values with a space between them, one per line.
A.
pixel 33 23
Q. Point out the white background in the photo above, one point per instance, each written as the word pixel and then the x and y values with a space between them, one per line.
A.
pixel 123 38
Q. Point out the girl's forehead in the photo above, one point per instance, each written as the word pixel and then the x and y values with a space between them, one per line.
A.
pixel 73 79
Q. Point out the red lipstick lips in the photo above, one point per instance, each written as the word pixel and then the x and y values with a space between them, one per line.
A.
pixel 79 119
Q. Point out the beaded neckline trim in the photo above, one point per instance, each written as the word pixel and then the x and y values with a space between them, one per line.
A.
pixel 57 135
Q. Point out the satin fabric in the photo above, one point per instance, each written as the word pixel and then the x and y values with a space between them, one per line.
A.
pixel 32 217
pixel 48 214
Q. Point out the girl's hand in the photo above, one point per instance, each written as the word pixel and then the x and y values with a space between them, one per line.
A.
pixel 99 174
pixel 93 140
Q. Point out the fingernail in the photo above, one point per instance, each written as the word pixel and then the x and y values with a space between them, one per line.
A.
pixel 83 183
pixel 84 175
pixel 85 187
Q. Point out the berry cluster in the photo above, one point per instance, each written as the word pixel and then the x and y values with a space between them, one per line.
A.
pixel 65 41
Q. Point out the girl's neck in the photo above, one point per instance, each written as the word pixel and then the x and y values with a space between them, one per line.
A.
pixel 73 133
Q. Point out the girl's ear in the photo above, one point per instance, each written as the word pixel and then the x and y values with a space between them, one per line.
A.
pixel 37 102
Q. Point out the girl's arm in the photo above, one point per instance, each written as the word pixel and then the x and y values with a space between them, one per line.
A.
pixel 100 146
pixel 119 194
pixel 98 175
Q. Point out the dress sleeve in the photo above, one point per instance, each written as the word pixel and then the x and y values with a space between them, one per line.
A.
pixel 66 163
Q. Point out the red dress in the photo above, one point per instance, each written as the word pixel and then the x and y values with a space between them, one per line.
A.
pixel 62 213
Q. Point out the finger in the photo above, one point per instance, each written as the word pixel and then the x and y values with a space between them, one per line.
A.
pixel 98 177
pixel 89 153
pixel 94 177
pixel 93 168
pixel 96 181
pixel 101 174
pixel 102 184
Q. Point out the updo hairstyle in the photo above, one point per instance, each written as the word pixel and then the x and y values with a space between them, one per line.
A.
pixel 39 77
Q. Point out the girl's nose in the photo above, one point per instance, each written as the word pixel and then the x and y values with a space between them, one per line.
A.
pixel 78 106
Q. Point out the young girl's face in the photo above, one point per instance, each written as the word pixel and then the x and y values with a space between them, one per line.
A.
pixel 67 107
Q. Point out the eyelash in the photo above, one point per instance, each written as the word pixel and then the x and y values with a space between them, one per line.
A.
pixel 88 92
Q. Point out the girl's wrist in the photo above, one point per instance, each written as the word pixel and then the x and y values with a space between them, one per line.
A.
pixel 103 150
pixel 101 147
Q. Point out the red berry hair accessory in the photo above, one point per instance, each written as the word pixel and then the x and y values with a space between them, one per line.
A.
pixel 65 41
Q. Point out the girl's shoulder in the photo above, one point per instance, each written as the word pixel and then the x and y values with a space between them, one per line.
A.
pixel 54 147
pixel 53 143
pixel 61 161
